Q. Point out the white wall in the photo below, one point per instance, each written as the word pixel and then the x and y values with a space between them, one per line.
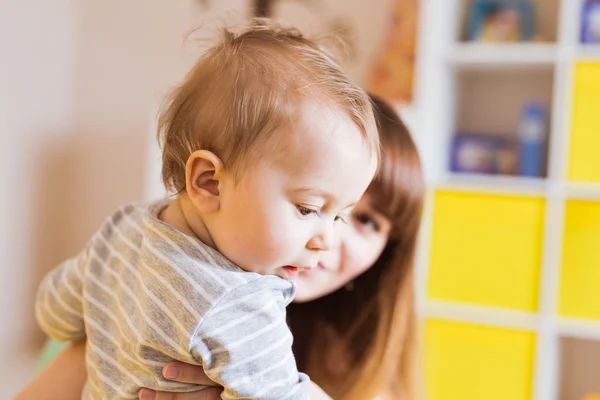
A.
pixel 36 109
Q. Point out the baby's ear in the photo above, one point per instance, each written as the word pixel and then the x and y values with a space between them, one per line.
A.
pixel 202 172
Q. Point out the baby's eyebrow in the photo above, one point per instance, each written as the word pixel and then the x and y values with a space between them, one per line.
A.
pixel 322 194
pixel 351 205
pixel 315 192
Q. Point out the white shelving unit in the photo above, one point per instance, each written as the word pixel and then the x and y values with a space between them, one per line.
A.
pixel 576 328
pixel 500 184
pixel 588 52
pixel 444 61
pixel 475 55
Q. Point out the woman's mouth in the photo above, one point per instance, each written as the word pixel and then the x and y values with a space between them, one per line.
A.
pixel 318 267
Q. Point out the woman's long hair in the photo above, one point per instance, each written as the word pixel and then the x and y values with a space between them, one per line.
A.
pixel 360 343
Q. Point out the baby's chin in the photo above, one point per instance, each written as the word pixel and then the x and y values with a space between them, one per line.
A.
pixel 310 289
pixel 300 298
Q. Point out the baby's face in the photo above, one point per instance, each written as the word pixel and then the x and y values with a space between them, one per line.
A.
pixel 281 214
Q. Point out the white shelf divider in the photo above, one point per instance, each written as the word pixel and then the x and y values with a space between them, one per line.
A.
pixel 483 55
pixel 581 191
pixel 588 52
pixel 579 328
pixel 546 359
pixel 547 362
pixel 481 315
pixel 493 184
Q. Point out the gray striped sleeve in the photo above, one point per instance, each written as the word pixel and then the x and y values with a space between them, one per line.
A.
pixel 58 306
pixel 245 345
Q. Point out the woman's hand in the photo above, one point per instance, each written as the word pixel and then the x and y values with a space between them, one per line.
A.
pixel 184 373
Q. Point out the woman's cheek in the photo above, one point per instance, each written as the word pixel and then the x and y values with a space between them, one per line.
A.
pixel 362 252
pixel 357 257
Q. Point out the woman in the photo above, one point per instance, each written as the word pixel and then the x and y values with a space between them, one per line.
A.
pixel 353 318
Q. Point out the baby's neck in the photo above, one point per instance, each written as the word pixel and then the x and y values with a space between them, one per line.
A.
pixel 182 215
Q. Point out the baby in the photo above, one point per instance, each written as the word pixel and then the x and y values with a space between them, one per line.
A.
pixel 266 144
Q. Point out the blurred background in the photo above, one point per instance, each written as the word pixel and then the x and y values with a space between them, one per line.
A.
pixel 502 97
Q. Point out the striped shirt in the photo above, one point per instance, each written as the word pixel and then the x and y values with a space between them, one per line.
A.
pixel 143 294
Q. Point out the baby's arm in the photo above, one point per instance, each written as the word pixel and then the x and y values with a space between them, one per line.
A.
pixel 245 345
pixel 58 305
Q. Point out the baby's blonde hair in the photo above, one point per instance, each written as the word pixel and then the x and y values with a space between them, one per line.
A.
pixel 246 87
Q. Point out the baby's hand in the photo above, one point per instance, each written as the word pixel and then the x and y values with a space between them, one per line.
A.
pixel 184 373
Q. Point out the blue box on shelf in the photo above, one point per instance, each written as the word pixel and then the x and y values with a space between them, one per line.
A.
pixel 483 154
pixel 590 22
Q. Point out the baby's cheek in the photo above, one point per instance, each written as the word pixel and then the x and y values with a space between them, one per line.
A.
pixel 276 235
pixel 279 242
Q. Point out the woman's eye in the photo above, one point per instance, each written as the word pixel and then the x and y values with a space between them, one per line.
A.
pixel 367 221
pixel 305 211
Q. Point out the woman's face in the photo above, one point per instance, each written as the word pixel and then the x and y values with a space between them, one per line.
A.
pixel 359 245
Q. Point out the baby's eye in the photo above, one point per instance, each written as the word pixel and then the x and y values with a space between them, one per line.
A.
pixel 305 211
pixel 342 218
